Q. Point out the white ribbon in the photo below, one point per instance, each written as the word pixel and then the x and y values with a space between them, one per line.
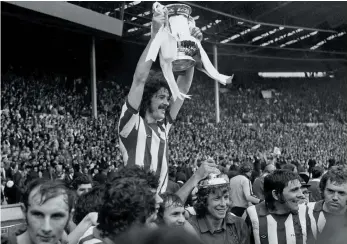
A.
pixel 167 45
pixel 210 69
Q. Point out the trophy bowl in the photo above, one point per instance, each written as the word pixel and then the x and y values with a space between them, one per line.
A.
pixel 180 22
pixel 213 180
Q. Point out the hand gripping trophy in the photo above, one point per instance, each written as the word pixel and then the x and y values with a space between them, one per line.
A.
pixel 178 50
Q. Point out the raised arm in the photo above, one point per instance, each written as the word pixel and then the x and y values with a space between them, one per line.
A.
pixel 143 67
pixel 184 81
pixel 204 170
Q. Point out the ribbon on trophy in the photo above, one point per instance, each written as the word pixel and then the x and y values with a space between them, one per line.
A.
pixel 165 43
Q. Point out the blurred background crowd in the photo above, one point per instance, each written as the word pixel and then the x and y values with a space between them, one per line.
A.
pixel 47 130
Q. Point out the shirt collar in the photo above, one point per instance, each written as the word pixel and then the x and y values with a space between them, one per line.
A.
pixel 263 210
pixel 318 206
pixel 205 226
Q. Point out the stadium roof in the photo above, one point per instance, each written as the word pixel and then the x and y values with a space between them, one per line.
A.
pixel 251 36
pixel 295 34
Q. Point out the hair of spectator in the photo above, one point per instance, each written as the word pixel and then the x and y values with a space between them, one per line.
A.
pixel 80 180
pixel 76 167
pixel 91 201
pixel 290 167
pixel 336 175
pixel 169 200
pixel 140 173
pixel 202 196
pixel 155 82
pixel 267 168
pixel 317 172
pixel 245 168
pixel 277 181
pixel 13 165
pixel 127 201
pixel 48 189
pixel 172 171
pixel 234 167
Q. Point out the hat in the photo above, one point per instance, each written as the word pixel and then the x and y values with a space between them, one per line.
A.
pixel 213 180
pixel 304 179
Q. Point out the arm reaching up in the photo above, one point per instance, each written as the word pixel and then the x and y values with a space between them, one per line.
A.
pixel 204 170
pixel 143 67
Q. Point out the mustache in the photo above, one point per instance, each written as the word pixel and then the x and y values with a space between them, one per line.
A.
pixel 163 106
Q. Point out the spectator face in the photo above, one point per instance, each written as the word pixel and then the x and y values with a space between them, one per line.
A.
pixel 217 204
pixel 83 188
pixel 159 104
pixel 335 197
pixel 306 195
pixel 292 195
pixel 174 216
pixel 270 168
pixel 46 222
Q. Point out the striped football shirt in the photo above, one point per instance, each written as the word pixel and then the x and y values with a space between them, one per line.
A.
pixel 269 228
pixel 325 228
pixel 145 144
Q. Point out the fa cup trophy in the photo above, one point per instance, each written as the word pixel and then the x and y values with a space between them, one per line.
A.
pixel 180 23
pixel 177 49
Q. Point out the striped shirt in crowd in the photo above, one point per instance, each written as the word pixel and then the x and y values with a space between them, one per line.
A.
pixel 267 228
pixel 145 144
pixel 325 228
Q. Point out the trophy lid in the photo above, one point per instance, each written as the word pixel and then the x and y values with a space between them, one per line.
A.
pixel 213 181
pixel 179 9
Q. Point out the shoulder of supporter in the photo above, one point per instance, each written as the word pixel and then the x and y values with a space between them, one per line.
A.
pixel 241 228
pixel 193 220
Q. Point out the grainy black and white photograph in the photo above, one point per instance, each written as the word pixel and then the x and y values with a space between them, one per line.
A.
pixel 173 122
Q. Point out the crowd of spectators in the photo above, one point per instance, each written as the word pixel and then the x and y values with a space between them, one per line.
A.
pixel 47 130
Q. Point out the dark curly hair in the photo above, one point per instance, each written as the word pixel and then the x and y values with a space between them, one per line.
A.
pixel 169 199
pixel 202 196
pixel 80 180
pixel 277 181
pixel 91 201
pixel 245 168
pixel 337 174
pixel 155 82
pixel 127 201
pixel 140 173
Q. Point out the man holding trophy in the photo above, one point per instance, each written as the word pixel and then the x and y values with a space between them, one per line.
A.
pixel 152 104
